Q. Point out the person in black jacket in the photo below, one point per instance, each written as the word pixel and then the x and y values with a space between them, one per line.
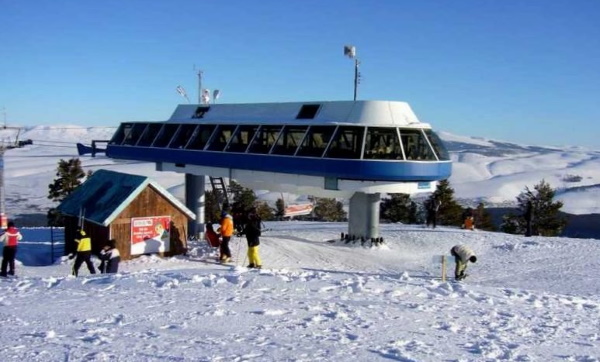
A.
pixel 252 230
pixel 528 217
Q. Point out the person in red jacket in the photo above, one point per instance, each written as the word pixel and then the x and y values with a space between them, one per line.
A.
pixel 10 238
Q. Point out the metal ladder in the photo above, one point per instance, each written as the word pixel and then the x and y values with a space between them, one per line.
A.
pixel 218 186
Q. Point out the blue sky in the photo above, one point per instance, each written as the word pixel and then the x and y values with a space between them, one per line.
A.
pixel 521 71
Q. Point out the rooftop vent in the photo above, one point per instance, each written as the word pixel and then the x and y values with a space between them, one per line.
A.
pixel 200 111
pixel 308 111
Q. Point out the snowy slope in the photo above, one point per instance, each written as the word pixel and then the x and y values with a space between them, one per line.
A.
pixel 527 299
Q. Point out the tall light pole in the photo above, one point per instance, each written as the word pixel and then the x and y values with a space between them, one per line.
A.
pixel 3 148
pixel 350 52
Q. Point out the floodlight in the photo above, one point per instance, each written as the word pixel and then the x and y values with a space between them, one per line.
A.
pixel 182 92
pixel 205 96
pixel 350 51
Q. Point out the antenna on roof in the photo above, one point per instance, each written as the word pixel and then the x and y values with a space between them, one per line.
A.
pixel 3 148
pixel 350 52
pixel 182 92
pixel 200 72
pixel 203 93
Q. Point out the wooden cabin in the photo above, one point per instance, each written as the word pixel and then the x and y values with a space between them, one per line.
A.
pixel 138 213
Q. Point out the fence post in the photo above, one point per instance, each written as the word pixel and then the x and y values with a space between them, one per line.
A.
pixel 443 268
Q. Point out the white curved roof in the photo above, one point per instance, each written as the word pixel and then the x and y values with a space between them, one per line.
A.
pixel 368 113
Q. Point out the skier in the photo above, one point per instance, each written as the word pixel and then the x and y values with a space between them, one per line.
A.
pixel 110 254
pixel 462 255
pixel 11 239
pixel 468 219
pixel 84 253
pixel 433 207
pixel 253 231
pixel 226 230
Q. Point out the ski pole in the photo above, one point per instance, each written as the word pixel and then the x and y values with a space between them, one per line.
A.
pixel 239 247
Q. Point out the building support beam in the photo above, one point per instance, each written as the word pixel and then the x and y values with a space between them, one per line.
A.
pixel 364 216
pixel 194 200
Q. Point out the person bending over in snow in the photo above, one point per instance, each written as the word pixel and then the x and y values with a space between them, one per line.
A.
pixel 462 255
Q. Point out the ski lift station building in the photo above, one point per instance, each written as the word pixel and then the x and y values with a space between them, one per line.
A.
pixel 356 150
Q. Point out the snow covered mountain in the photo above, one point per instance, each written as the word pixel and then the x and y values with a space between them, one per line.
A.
pixel 496 172
pixel 490 171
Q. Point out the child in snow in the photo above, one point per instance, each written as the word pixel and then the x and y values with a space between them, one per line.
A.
pixel 462 255
pixel 110 254
pixel 211 236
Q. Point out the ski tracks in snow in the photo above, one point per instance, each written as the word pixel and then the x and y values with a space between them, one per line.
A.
pixel 312 315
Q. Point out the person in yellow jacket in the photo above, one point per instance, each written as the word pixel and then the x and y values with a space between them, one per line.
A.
pixel 226 231
pixel 84 253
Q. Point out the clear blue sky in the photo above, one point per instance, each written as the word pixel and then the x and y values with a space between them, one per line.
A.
pixel 525 71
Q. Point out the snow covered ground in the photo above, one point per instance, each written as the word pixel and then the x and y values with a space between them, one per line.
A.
pixel 526 299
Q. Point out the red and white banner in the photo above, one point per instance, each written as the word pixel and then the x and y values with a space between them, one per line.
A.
pixel 297 210
pixel 150 234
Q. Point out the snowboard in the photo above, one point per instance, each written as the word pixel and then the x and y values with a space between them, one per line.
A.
pixel 460 280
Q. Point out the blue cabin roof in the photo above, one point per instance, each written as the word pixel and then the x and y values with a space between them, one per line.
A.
pixel 103 196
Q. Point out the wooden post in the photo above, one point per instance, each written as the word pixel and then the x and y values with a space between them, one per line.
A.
pixel 443 268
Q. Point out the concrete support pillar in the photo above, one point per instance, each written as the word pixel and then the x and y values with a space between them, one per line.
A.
pixel 194 200
pixel 364 215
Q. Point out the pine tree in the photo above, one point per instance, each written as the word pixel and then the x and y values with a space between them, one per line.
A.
pixel 450 212
pixel 69 175
pixel 511 224
pixel 399 208
pixel 546 220
pixel 328 209
pixel 211 207
pixel 243 197
pixel 483 219
pixel 264 211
